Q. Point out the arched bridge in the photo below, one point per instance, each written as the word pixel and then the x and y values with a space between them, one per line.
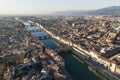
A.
pixel 63 49
pixel 35 30
pixel 44 37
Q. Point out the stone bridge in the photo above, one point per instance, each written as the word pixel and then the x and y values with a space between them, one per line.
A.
pixel 44 37
pixel 63 49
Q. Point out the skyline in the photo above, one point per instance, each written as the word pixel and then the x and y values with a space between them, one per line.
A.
pixel 35 7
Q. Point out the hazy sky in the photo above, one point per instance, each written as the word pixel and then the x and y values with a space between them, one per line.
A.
pixel 48 6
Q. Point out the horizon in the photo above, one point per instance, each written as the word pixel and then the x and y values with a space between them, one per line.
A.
pixel 45 7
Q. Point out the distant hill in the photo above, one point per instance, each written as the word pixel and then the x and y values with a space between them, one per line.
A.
pixel 113 10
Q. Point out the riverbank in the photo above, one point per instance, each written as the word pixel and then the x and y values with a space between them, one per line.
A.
pixel 90 66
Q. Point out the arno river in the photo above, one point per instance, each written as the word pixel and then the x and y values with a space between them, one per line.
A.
pixel 73 65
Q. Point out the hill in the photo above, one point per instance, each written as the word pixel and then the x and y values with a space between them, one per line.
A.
pixel 113 10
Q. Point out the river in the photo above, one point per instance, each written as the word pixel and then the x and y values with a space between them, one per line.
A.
pixel 77 68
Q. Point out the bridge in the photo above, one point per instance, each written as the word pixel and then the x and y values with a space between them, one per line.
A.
pixel 63 49
pixel 35 30
pixel 44 37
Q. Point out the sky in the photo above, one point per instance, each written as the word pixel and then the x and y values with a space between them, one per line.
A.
pixel 29 7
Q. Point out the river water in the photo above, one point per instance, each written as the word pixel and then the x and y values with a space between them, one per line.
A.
pixel 73 65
